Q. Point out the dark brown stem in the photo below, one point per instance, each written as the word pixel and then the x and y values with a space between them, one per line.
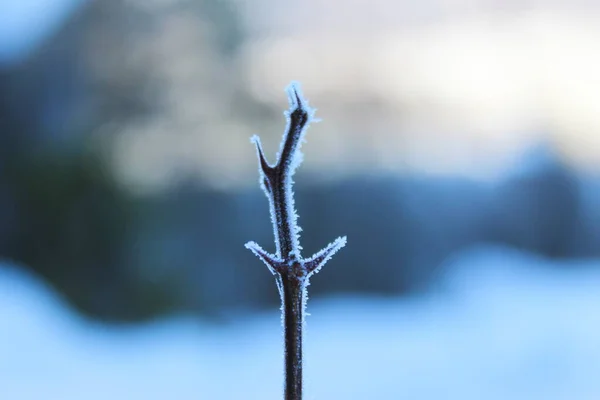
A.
pixel 293 304
pixel 291 270
pixel 279 203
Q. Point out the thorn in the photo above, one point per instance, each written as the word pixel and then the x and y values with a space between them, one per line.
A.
pixel 316 262
pixel 271 261
pixel 264 164
pixel 299 105
pixel 295 97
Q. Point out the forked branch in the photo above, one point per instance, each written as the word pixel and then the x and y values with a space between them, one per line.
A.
pixel 292 272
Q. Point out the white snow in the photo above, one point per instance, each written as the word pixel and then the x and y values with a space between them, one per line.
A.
pixel 499 325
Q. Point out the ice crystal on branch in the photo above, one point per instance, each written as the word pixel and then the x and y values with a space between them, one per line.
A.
pixel 291 271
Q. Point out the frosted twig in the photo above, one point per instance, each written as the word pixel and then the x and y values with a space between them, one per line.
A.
pixel 292 272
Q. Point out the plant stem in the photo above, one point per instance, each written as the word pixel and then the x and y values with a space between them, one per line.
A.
pixel 293 303
pixel 292 272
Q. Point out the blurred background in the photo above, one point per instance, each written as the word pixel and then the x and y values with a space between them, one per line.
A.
pixel 459 152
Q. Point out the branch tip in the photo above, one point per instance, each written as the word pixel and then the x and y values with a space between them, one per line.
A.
pixel 264 164
pixel 270 260
pixel 295 97
pixel 298 103
pixel 316 262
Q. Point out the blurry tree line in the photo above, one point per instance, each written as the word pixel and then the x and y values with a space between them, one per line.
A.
pixel 120 257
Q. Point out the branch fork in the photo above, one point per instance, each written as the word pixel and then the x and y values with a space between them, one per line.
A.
pixel 291 270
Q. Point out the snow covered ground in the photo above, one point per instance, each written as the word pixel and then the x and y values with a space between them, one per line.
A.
pixel 497 326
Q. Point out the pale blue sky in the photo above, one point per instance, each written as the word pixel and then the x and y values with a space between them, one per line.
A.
pixel 26 24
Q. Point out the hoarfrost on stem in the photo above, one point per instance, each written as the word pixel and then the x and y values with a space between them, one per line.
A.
pixel 292 272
